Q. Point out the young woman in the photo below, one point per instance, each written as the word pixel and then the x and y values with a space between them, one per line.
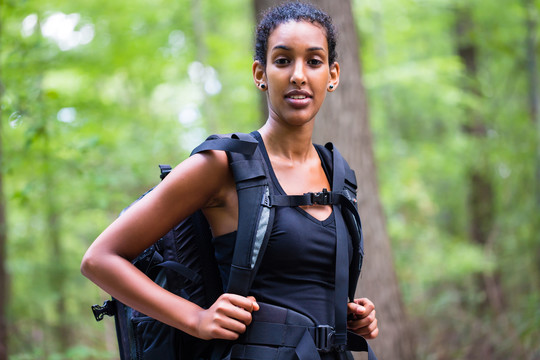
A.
pixel 295 65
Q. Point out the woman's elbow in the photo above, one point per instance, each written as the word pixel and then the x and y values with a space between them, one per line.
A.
pixel 90 264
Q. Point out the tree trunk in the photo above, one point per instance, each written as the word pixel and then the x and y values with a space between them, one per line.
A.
pixel 57 275
pixel 60 338
pixel 481 194
pixel 344 120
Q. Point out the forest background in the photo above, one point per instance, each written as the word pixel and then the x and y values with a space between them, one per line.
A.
pixel 95 94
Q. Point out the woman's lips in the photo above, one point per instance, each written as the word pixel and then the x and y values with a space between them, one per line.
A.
pixel 298 98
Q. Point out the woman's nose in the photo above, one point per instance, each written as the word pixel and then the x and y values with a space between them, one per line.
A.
pixel 298 76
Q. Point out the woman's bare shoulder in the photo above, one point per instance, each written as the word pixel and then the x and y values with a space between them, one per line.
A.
pixel 199 178
pixel 191 185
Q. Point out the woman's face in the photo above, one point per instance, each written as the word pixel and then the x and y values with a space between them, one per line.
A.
pixel 297 74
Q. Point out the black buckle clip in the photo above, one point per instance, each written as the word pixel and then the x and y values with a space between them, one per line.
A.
pixel 107 308
pixel 324 338
pixel 321 198
pixel 165 170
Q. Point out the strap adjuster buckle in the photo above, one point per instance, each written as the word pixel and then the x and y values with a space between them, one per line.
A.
pixel 321 197
pixel 324 338
pixel 107 308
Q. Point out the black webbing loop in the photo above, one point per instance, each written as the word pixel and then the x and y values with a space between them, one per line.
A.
pixel 358 343
pixel 246 170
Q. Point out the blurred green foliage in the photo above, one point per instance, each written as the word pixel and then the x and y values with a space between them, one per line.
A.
pixel 97 93
pixel 415 83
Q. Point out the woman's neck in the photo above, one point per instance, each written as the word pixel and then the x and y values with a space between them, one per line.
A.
pixel 288 142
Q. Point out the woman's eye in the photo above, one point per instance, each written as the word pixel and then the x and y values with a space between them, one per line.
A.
pixel 315 62
pixel 281 61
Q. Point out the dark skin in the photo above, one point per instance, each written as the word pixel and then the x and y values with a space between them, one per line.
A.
pixel 297 77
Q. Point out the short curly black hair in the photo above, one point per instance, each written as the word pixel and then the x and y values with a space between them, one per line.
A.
pixel 293 11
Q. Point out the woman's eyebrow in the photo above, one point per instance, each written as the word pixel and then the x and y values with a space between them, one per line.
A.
pixel 283 47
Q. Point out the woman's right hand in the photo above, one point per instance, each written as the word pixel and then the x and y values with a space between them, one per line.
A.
pixel 227 318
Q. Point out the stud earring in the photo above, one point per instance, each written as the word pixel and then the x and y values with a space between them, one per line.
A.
pixel 331 87
pixel 262 86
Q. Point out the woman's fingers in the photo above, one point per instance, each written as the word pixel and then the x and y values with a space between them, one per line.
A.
pixel 363 326
pixel 227 318
pixel 362 318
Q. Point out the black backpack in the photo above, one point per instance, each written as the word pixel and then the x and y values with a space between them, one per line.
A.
pixel 183 261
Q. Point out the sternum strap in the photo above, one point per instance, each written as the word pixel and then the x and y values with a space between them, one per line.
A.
pixel 323 197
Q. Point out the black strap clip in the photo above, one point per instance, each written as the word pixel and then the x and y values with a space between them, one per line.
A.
pixel 321 198
pixel 165 170
pixel 324 338
pixel 107 308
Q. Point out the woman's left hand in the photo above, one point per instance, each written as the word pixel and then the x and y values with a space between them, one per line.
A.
pixel 361 318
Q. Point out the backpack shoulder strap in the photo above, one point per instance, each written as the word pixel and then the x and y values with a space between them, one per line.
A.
pixel 348 198
pixel 344 184
pixel 254 219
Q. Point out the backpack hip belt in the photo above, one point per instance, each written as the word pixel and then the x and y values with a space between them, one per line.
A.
pixel 277 332
pixel 276 326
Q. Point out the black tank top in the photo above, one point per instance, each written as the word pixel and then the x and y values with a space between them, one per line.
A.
pixel 298 267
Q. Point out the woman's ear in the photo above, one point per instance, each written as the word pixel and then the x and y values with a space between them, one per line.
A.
pixel 259 76
pixel 334 76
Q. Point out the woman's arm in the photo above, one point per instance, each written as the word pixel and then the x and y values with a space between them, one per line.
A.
pixel 192 185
